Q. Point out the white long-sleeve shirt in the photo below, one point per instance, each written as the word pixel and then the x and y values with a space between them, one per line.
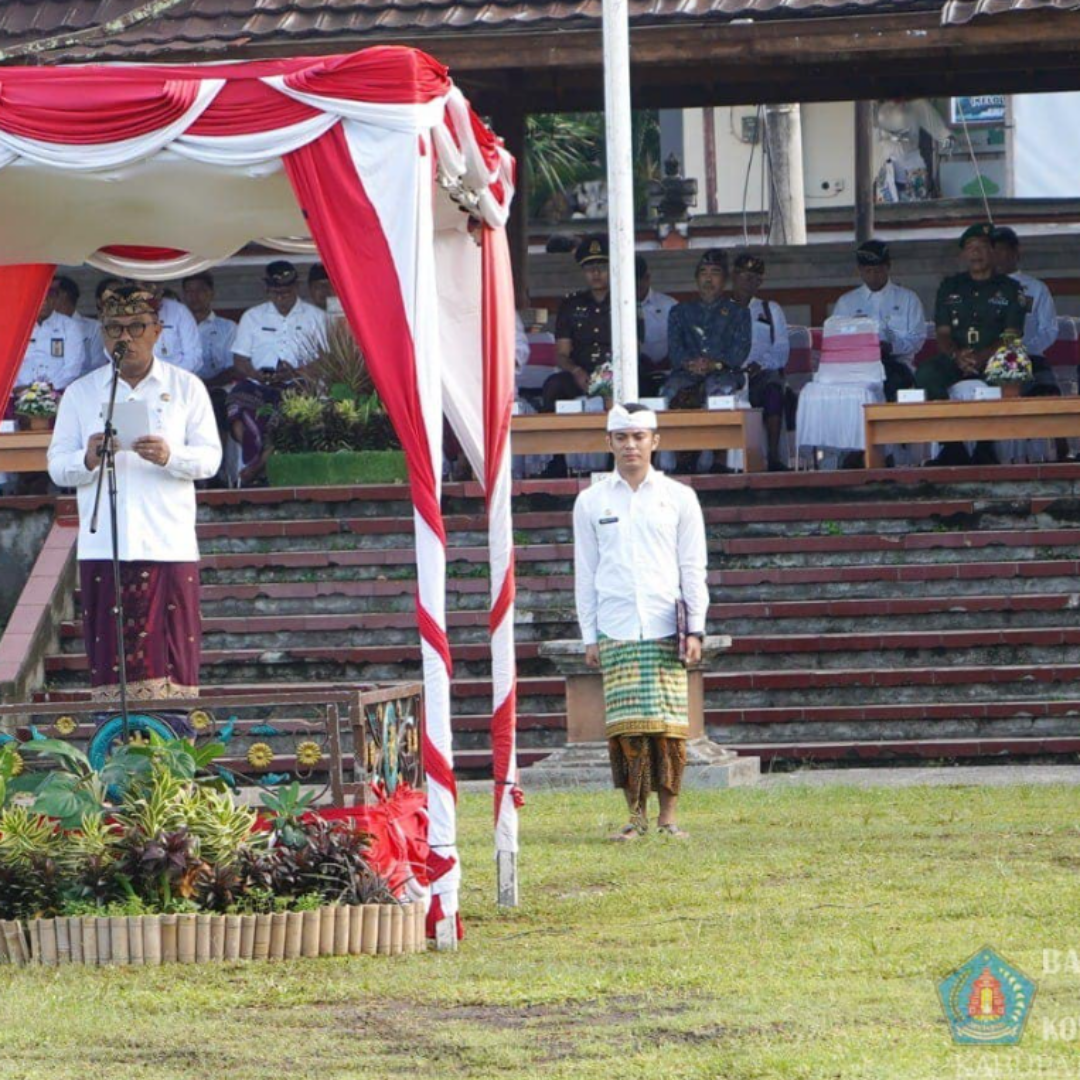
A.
pixel 156 503
pixel 55 353
pixel 769 345
pixel 521 344
pixel 179 343
pixel 1040 324
pixel 635 554
pixel 899 314
pixel 655 309
pixel 216 336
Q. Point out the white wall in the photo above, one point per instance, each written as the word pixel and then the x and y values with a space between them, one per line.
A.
pixel 828 157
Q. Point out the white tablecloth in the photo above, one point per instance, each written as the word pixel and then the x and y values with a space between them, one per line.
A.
pixel 830 415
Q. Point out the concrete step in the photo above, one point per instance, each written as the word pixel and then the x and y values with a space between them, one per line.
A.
pixel 338 532
pixel 825 687
pixel 898 751
pixel 556 619
pixel 890 721
pixel 327 663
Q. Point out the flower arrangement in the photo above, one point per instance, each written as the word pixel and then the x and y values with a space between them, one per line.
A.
pixel 602 381
pixel 1010 364
pixel 38 399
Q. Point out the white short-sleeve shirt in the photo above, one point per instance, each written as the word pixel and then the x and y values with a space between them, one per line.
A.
pixel 266 336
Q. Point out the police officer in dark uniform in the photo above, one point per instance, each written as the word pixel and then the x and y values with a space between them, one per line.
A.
pixel 973 311
pixel 582 326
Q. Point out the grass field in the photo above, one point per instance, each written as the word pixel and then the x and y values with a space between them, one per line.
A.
pixel 799 934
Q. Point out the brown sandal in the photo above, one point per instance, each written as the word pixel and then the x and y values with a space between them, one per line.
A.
pixel 673 830
pixel 627 833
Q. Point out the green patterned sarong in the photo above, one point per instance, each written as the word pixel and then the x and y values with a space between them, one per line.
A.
pixel 645 688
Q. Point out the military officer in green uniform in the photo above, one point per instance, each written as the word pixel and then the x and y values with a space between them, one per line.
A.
pixel 973 312
pixel 582 326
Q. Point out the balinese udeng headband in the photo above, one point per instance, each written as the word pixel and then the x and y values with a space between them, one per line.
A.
pixel 128 300
pixel 620 419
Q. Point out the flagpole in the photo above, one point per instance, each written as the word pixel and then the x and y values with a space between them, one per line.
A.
pixel 620 176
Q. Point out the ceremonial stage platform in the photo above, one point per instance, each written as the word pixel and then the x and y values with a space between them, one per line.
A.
pixel 876 616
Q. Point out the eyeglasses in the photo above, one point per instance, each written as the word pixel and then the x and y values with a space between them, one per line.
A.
pixel 115 331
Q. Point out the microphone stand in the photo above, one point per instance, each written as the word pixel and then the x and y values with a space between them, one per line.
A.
pixel 108 469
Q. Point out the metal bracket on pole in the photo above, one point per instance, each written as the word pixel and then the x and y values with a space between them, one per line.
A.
pixel 506 870
pixel 446 934
pixel 620 175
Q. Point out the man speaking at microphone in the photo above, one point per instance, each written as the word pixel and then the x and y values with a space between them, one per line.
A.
pixel 171 440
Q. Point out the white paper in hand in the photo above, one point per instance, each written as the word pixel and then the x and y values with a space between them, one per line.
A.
pixel 131 421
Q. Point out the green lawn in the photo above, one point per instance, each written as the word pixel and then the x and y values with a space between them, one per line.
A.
pixel 799 934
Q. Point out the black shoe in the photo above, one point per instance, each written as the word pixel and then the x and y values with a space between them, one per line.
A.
pixel 985 454
pixel 776 465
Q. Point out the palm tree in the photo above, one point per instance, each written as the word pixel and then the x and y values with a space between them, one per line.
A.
pixel 564 149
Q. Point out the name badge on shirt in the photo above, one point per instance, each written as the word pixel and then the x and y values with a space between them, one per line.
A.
pixel 57 346
pixel 609 520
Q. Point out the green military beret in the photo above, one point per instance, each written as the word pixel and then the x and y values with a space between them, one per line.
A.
pixel 981 231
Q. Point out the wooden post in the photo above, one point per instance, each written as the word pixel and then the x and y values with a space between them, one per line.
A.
pixel 864 171
pixel 783 134
pixel 708 116
pixel 508 120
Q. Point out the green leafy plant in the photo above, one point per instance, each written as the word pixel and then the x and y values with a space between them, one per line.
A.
pixel 221 825
pixel 287 805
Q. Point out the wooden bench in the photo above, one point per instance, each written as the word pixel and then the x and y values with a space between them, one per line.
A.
pixel 23 451
pixel 685 429
pixel 967 421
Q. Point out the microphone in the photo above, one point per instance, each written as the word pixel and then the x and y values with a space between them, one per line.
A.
pixel 119 351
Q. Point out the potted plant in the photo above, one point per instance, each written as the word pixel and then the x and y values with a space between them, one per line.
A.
pixel 1009 367
pixel 332 428
pixel 35 407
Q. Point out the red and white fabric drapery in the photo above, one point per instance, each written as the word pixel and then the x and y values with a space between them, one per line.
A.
pixel 162 170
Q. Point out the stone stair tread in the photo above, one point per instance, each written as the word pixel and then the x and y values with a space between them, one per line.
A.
pixel 368 557
pixel 905 639
pixel 543 685
pixel 931 507
pixel 827 678
pixel 896 572
pixel 359 654
pixel 912 541
pixel 891 749
pixel 859 641
pixel 870 713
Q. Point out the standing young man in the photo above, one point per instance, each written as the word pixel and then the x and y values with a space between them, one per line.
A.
pixel 639 547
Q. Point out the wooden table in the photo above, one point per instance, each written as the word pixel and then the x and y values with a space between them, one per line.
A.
pixel 966 421
pixel 683 429
pixel 23 451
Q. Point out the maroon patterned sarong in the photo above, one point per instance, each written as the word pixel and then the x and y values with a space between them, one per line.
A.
pixel 162 628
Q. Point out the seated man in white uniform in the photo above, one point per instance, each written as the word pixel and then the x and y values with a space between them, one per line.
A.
pixel 653 311
pixel 897 311
pixel 55 353
pixel 65 295
pixel 273 342
pixel 179 343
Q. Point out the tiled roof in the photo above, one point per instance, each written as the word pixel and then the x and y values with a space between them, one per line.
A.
pixel 213 26
pixel 961 11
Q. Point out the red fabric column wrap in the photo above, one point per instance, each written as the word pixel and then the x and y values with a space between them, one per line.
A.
pixel 23 289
